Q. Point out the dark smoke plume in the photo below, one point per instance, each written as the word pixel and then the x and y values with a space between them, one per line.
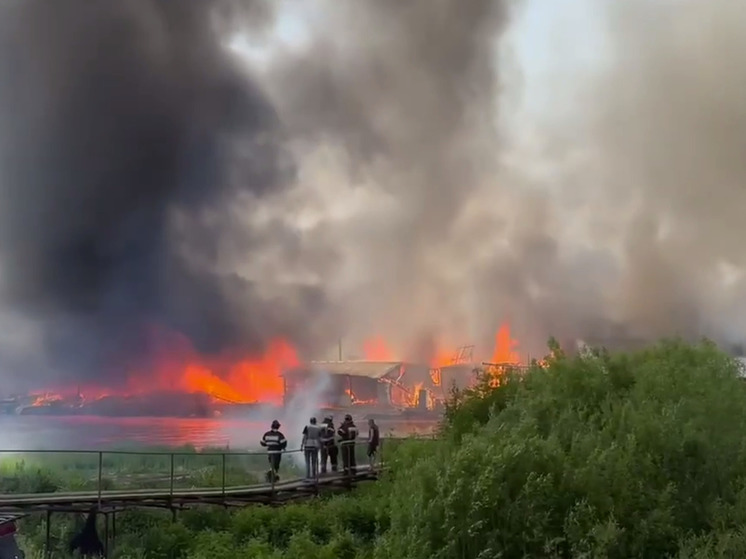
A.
pixel 127 130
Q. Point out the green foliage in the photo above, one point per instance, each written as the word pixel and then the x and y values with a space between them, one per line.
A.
pixel 611 456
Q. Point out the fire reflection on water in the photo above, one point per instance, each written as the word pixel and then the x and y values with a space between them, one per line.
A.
pixel 88 432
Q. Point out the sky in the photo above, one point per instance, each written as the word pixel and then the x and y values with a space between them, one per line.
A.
pixel 543 34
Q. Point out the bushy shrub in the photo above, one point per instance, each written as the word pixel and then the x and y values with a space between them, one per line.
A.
pixel 611 456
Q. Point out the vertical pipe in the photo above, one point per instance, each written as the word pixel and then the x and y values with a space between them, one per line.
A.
pixel 100 475
pixel 223 475
pixel 340 350
pixel 49 535
pixel 171 490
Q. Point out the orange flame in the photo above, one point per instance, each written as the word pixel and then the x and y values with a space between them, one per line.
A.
pixel 376 349
pixel 357 402
pixel 236 379
pixel 505 347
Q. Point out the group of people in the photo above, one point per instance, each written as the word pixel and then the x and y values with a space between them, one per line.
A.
pixel 321 440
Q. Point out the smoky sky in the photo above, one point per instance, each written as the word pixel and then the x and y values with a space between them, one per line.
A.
pixel 616 213
pixel 115 119
pixel 363 182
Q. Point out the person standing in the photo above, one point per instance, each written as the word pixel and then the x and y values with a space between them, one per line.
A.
pixel 275 442
pixel 348 434
pixel 87 541
pixel 374 438
pixel 329 447
pixel 310 446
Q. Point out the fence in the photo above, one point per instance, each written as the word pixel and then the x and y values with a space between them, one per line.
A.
pixel 104 471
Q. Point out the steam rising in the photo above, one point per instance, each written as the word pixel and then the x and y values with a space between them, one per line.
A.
pixel 361 183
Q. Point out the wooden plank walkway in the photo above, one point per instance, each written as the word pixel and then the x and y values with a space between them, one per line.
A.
pixel 178 498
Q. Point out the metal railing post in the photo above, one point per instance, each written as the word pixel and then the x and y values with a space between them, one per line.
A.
pixel 223 455
pixel 100 475
pixel 171 490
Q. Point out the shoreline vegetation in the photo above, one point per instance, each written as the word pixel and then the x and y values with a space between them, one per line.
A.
pixel 638 454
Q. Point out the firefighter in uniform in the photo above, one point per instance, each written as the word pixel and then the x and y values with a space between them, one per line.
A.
pixel 275 442
pixel 329 447
pixel 310 446
pixel 348 433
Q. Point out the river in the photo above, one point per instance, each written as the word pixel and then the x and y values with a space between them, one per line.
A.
pixel 93 432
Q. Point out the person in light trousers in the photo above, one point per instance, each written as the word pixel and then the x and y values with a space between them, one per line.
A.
pixel 310 445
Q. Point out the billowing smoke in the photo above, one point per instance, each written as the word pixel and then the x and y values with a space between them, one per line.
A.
pixel 623 217
pixel 128 135
pixel 362 182
pixel 392 108
pixel 669 119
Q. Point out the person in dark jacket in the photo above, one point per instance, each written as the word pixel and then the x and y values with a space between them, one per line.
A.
pixel 87 540
pixel 348 434
pixel 310 446
pixel 275 442
pixel 374 438
pixel 329 447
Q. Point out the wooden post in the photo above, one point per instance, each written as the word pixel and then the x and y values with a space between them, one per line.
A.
pixel 223 455
pixel 171 490
pixel 100 475
pixel 106 534
pixel 49 535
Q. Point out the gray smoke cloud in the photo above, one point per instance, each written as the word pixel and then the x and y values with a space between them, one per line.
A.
pixel 363 182
pixel 670 119
pixel 392 107
pixel 622 220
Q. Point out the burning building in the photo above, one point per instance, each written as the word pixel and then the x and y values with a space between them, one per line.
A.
pixel 381 384
pixel 461 376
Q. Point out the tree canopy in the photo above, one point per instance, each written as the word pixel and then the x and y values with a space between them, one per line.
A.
pixel 613 455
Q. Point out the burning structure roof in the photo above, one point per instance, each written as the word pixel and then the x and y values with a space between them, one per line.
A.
pixel 370 369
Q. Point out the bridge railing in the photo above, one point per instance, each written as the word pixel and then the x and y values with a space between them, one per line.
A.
pixel 102 471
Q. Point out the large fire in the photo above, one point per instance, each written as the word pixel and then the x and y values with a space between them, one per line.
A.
pixel 176 366
pixel 233 377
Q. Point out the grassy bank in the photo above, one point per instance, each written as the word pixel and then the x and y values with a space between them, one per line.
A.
pixel 631 455
pixel 144 468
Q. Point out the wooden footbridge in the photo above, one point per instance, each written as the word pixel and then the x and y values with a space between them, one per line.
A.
pixel 222 493
pixel 267 494
pixel 108 502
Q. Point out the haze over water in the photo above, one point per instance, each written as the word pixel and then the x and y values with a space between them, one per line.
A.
pixel 89 432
